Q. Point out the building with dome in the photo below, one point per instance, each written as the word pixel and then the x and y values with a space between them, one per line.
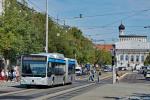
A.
pixel 131 50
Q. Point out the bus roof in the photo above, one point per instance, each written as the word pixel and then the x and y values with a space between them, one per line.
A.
pixel 51 55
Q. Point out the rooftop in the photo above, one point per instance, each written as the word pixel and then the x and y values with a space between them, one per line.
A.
pixel 107 47
pixel 133 45
pixel 132 35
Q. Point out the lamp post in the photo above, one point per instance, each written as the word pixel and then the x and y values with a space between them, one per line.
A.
pixel 46 47
pixel 114 64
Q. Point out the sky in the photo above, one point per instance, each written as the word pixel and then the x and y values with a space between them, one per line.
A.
pixel 100 18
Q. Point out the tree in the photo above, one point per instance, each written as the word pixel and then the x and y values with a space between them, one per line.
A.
pixel 147 60
pixel 22 31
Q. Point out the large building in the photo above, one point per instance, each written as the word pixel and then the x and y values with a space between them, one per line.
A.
pixel 131 50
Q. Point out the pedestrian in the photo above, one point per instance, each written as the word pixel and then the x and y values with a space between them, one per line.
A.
pixel 91 76
pixel 6 75
pixel 11 72
pixel 117 77
pixel 17 73
pixel 14 75
pixel 3 74
pixel 9 76
pixel 98 76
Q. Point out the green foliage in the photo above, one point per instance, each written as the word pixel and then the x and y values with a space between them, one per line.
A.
pixel 103 57
pixel 147 60
pixel 22 31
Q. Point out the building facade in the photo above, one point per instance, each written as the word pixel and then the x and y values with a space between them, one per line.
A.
pixel 131 50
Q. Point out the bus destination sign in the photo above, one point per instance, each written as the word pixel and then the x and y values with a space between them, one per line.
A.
pixel 35 58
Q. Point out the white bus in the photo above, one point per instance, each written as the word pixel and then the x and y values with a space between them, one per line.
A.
pixel 47 69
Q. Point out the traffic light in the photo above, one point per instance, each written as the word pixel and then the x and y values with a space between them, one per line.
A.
pixel 81 16
pixel 113 60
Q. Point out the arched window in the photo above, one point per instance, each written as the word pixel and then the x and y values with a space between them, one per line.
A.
pixel 142 58
pixel 132 58
pixel 137 58
pixel 127 57
pixel 121 57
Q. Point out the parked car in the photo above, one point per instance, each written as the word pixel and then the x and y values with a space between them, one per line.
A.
pixel 107 68
pixel 78 71
pixel 122 68
pixel 147 76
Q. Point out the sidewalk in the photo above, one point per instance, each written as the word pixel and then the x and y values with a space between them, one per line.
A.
pixel 8 83
pixel 121 91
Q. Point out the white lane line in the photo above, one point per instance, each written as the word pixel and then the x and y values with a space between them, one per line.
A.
pixel 106 77
pixel 121 77
pixel 61 92
pixel 3 94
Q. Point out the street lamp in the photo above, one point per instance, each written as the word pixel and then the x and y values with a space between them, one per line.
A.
pixel 46 47
pixel 114 64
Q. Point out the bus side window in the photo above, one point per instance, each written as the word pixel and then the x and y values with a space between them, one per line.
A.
pixel 49 70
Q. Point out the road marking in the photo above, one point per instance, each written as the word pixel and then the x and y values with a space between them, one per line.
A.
pixel 106 77
pixel 100 78
pixel 61 92
pixel 3 94
pixel 121 77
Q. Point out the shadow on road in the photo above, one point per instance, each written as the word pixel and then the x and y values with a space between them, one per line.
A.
pixel 135 96
pixel 15 97
pixel 115 98
pixel 38 86
pixel 141 96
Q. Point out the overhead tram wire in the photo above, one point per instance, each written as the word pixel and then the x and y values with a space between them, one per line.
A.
pixel 33 4
pixel 107 14
pixel 102 27
pixel 127 17
pixel 97 27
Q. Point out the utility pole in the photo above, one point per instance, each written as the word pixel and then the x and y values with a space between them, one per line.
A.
pixel 113 65
pixel 46 47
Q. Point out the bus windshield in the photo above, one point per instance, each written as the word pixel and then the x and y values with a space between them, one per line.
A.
pixel 34 69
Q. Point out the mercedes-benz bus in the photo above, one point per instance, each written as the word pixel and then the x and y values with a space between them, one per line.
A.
pixel 47 69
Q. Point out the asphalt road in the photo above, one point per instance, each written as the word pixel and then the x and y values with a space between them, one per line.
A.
pixel 135 77
pixel 68 91
pixel 63 92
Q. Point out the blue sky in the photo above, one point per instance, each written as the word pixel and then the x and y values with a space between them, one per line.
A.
pixel 134 14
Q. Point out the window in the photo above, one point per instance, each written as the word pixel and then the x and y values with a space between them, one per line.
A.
pixel 49 70
pixel 121 57
pixel 132 58
pixel 127 57
pixel 57 68
pixel 71 69
pixel 34 68
pixel 142 58
pixel 137 58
